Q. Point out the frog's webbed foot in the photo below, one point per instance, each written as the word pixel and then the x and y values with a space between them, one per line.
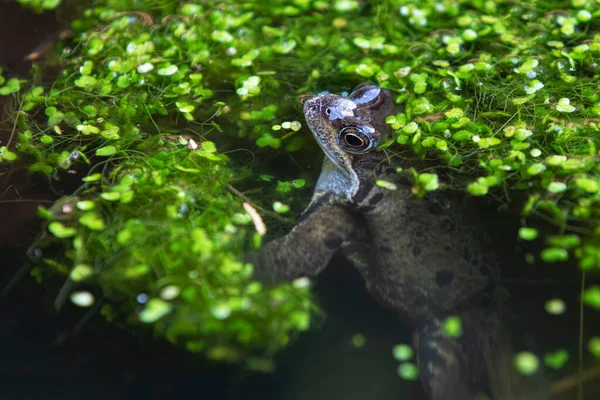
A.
pixel 453 368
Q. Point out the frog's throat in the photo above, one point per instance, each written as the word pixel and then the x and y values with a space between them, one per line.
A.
pixel 337 180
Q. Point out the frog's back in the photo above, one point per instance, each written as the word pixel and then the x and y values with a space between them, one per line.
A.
pixel 423 257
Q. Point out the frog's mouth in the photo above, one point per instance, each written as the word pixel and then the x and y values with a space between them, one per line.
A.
pixel 337 173
pixel 322 125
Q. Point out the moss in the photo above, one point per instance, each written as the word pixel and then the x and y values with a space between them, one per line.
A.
pixel 155 104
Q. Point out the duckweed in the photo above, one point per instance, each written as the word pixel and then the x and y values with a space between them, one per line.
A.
pixel 555 306
pixel 40 5
pixel 359 341
pixel 408 371
pixel 526 363
pixel 403 352
pixel 157 102
pixel 556 359
pixel 453 326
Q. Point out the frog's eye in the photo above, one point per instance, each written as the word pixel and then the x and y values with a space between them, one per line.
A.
pixel 355 140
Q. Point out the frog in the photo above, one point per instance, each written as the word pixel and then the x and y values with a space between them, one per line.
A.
pixel 425 257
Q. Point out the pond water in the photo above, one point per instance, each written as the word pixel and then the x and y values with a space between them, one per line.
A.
pixel 42 358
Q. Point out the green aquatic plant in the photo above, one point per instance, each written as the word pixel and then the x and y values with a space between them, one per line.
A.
pixel 156 103
pixel 40 6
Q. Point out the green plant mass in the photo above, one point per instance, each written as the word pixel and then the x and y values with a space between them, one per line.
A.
pixel 40 5
pixel 157 103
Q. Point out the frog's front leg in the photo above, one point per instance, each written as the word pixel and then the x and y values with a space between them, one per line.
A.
pixel 454 368
pixel 307 249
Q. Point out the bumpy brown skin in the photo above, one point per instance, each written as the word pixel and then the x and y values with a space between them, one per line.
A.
pixel 426 258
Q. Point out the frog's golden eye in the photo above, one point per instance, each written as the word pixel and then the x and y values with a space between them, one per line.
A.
pixel 354 140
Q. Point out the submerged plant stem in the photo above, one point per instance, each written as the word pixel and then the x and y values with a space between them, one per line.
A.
pixel 271 214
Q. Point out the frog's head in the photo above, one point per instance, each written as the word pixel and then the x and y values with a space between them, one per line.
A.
pixel 348 127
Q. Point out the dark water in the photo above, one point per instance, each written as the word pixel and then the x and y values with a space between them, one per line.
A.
pixel 102 362
pixel 42 358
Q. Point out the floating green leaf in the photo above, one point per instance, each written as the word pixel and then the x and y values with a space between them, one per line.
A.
pixel 477 189
pixel 86 68
pixel 85 205
pixel 429 181
pixel 526 363
pixel 280 207
pixel 564 105
pixel 591 297
pixel 87 129
pixel 554 254
pixel 535 169
pixel 81 272
pixel 594 346
pixel 408 371
pixel 106 151
pixel 61 231
pixel 555 306
pixel 7 155
pixel 528 233
pixel 462 136
pixel 453 326
pixel 534 86
pixel 12 86
pixel 145 68
pixel 168 70
pixel 209 146
pixel 386 185
pixel 358 341
pixel 92 221
pixel 86 82
pixel 92 178
pixel 564 241
pixel 557 187
pixel 557 359
pixel 111 196
pixel 82 298
pixel 588 185
pixel 403 352
pixel 155 309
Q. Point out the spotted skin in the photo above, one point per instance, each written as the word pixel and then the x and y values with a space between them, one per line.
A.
pixel 426 258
